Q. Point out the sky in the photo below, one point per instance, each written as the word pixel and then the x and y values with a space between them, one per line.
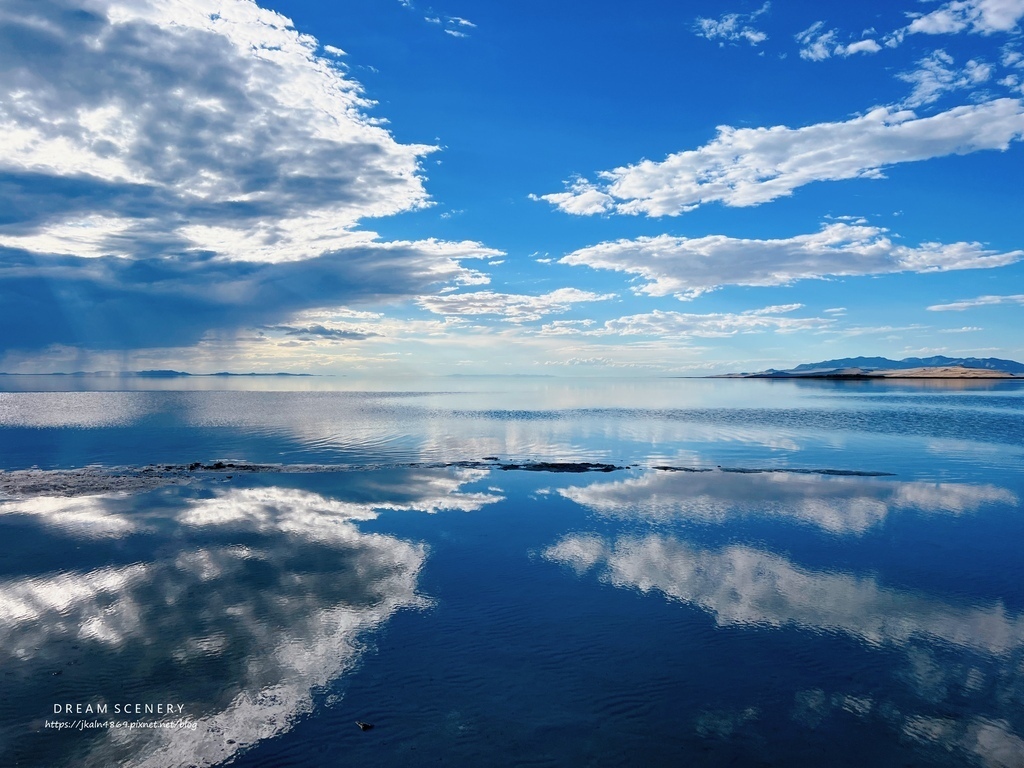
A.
pixel 402 188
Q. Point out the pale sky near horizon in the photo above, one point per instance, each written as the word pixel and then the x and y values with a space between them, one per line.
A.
pixel 392 187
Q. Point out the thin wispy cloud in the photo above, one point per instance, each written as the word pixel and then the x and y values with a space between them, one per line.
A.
pixel 818 44
pixel 456 26
pixel 750 166
pixel 687 267
pixel 980 301
pixel 680 325
pixel 937 74
pixel 732 27
pixel 888 331
pixel 511 307
pixel 1011 57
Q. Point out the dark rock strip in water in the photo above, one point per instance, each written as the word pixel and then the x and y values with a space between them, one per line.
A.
pixel 95 479
pixel 534 466
pixel 87 481
pixel 786 470
pixel 90 480
pixel 487 463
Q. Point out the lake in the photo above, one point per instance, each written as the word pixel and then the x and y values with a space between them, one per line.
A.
pixel 511 571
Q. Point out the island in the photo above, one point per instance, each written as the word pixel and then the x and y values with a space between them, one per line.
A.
pixel 938 367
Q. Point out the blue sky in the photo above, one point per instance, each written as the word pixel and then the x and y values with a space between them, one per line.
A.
pixel 401 188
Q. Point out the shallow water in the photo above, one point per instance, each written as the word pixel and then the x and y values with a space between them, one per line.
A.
pixel 840 583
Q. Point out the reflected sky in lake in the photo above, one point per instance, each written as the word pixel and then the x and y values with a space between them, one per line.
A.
pixel 785 592
pixel 647 422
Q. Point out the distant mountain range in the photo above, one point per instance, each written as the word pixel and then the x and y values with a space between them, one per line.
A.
pixel 884 363
pixel 938 366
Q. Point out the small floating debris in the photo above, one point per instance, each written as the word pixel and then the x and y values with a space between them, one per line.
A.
pixel 364 726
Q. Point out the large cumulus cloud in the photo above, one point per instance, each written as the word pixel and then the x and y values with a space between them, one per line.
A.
pixel 171 168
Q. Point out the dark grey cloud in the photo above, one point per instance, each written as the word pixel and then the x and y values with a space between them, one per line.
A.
pixel 116 303
pixel 319 331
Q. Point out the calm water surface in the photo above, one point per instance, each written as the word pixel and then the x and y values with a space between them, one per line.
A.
pixel 777 573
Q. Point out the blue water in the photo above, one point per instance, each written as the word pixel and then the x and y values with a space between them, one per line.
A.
pixel 777 573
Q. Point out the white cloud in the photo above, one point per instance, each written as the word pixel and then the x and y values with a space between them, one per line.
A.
pixel 679 325
pixel 936 74
pixel 514 307
pixel 975 16
pixel 687 267
pixel 749 166
pixel 861 46
pixel 732 27
pixel 818 44
pixel 980 301
pixel 1012 82
pixel 582 199
pixel 192 125
pixel 604 362
pixel 452 25
pixel 334 50
pixel 566 327
pixel 894 332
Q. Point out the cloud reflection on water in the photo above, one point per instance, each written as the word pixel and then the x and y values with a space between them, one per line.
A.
pixel 741 586
pixel 745 586
pixel 237 605
pixel 841 505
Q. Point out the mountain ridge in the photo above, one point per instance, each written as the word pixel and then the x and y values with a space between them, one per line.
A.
pixel 884 363
pixel 935 367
